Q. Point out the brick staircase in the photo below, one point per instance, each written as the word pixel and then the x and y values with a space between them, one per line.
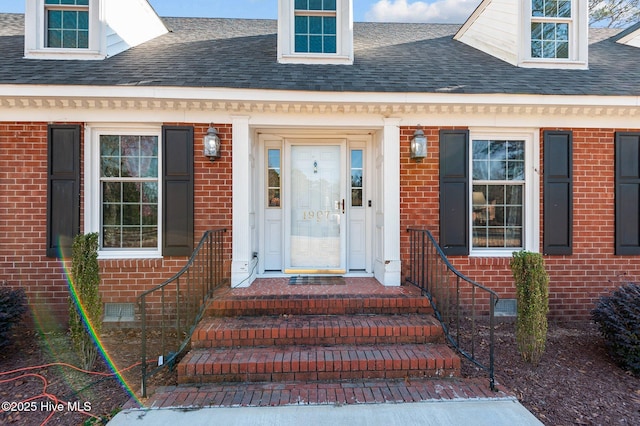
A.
pixel 314 337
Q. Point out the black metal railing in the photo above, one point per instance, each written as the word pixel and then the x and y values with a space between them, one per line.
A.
pixel 462 306
pixel 170 311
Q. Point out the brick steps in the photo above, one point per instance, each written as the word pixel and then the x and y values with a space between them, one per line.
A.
pixel 316 363
pixel 274 332
pixel 216 332
pixel 328 305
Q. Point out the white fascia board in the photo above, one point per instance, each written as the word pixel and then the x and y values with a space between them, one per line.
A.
pixel 291 96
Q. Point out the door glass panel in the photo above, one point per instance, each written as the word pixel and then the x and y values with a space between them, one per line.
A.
pixel 356 178
pixel 316 207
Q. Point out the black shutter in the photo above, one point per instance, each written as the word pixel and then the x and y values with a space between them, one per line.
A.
pixel 558 192
pixel 63 188
pixel 628 193
pixel 454 191
pixel 177 200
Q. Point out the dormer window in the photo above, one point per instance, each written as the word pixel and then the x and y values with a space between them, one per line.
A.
pixel 550 21
pixel 315 26
pixel 531 33
pixel 556 34
pixel 67 24
pixel 315 31
pixel 63 29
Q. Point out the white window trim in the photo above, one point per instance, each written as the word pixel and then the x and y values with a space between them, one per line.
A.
pixel 35 34
pixel 344 36
pixel 92 205
pixel 531 221
pixel 578 38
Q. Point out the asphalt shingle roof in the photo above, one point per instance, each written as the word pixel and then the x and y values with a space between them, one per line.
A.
pixel 389 57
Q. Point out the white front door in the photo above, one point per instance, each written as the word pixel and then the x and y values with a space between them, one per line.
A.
pixel 315 222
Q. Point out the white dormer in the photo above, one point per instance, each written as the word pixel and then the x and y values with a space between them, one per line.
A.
pixel 87 29
pixel 531 33
pixel 630 36
pixel 315 32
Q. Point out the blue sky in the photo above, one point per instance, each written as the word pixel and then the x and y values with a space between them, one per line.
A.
pixel 438 11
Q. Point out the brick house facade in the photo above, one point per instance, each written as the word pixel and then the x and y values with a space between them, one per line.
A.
pixel 276 113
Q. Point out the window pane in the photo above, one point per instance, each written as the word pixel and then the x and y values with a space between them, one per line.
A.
pixel 274 178
pixel 356 159
pixel 315 5
pixel 550 8
pixel 537 8
pixel 356 197
pixel 70 20
pixel 302 5
pixel 274 197
pixel 54 19
pixel 315 25
pixel 111 192
pixel 356 178
pixel 302 43
pixel 302 24
pixel 329 44
pixel 150 192
pixel 315 44
pixel 562 50
pixel 329 5
pixel 564 9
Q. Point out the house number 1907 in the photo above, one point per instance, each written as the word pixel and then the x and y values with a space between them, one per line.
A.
pixel 318 215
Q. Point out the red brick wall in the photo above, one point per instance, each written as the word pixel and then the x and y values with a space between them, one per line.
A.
pixel 23 201
pixel 576 281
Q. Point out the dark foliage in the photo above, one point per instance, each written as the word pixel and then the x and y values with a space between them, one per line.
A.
pixel 13 304
pixel 618 318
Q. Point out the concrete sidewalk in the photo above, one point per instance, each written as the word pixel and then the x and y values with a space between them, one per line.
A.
pixel 477 412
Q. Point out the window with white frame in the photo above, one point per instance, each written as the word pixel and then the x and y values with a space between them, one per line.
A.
pixel 550 22
pixel 63 29
pixel 503 188
pixel 123 197
pixel 555 34
pixel 129 191
pixel 67 24
pixel 315 26
pixel 315 31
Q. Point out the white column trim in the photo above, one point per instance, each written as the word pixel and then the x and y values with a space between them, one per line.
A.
pixel 389 271
pixel 242 272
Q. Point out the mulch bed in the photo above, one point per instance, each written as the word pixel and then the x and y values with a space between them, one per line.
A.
pixel 575 383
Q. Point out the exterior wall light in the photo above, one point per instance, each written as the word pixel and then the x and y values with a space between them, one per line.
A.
pixel 212 143
pixel 418 145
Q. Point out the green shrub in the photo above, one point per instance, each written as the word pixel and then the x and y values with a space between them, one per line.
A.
pixel 85 303
pixel 532 290
pixel 618 318
pixel 13 304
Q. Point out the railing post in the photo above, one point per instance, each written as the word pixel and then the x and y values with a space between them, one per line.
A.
pixel 143 312
pixel 492 380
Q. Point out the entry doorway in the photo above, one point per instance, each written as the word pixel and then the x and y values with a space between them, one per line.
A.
pixel 316 206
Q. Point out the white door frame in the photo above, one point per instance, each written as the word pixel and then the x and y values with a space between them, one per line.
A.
pixel 273 220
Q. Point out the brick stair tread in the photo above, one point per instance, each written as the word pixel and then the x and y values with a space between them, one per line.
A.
pixel 344 304
pixel 316 329
pixel 318 363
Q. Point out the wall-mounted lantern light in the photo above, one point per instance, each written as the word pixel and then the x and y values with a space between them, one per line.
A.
pixel 212 143
pixel 418 145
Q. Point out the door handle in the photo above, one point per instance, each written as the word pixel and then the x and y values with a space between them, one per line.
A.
pixel 343 206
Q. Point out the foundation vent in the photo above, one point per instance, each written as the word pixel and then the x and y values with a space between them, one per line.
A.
pixel 506 308
pixel 118 312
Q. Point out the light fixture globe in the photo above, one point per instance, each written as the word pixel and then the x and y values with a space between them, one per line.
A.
pixel 418 145
pixel 212 143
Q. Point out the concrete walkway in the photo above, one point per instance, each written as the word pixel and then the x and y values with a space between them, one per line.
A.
pixel 479 412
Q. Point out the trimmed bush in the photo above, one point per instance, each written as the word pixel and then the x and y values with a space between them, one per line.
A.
pixel 13 304
pixel 618 318
pixel 532 290
pixel 85 303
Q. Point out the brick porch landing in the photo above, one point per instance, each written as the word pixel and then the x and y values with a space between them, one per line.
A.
pixel 277 344
pixel 318 393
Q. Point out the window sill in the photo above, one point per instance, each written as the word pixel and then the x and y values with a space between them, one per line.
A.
pixel 65 54
pixel 137 254
pixel 321 59
pixel 554 64
pixel 494 252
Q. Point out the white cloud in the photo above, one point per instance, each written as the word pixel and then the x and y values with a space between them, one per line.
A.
pixel 436 11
